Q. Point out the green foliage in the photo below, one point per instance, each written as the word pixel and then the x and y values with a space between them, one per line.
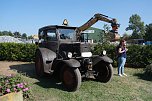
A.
pixel 17 51
pixel 147 54
pixel 148 32
pixel 137 26
pixel 14 83
pixel 30 37
pixel 110 49
pixel 17 34
pixel 126 36
pixel 106 34
pixel 148 70
pixel 137 55
pixel 24 36
pixel 7 33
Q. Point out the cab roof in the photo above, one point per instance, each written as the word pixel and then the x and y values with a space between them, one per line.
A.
pixel 55 27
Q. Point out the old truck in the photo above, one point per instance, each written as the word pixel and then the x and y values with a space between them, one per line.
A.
pixel 61 51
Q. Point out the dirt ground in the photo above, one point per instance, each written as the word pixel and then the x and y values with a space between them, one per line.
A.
pixel 12 67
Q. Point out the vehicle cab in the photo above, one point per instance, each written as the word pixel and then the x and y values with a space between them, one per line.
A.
pixel 62 40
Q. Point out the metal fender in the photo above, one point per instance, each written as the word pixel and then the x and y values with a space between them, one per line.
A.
pixel 48 57
pixel 97 59
pixel 72 63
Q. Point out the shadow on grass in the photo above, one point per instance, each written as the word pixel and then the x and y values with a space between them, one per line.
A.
pixel 144 76
pixel 46 82
pixel 26 69
pixel 50 82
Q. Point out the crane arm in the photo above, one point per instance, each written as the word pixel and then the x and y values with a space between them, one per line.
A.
pixel 96 18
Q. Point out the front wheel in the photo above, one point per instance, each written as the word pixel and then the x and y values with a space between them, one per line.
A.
pixel 39 67
pixel 104 72
pixel 71 78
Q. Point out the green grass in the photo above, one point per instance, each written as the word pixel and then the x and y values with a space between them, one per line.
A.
pixel 130 88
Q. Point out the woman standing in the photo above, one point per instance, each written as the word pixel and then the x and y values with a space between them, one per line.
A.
pixel 122 57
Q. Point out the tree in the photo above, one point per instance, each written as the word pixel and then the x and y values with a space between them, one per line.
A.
pixel 7 33
pixel 126 36
pixel 137 26
pixel 106 27
pixel 148 32
pixel 17 34
pixel 106 34
pixel 30 37
pixel 24 36
pixel 10 33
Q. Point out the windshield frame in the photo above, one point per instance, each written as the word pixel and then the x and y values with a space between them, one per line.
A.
pixel 66 34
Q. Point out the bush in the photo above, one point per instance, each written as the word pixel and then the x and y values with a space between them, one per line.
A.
pixel 147 55
pixel 17 51
pixel 137 55
pixel 134 56
pixel 148 70
pixel 110 51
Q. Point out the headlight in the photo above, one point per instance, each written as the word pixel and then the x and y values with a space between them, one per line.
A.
pixel 104 52
pixel 69 55
pixel 86 54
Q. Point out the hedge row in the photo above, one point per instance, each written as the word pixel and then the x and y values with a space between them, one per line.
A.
pixel 137 55
pixel 17 52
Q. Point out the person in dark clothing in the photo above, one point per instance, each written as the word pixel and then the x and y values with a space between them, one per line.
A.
pixel 122 57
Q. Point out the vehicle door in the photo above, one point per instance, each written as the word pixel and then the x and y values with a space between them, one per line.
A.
pixel 52 40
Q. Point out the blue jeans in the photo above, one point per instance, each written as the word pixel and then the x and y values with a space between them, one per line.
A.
pixel 121 64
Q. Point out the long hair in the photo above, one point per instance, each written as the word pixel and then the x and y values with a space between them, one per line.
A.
pixel 121 41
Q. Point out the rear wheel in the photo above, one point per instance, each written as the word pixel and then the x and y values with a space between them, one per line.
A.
pixel 39 67
pixel 104 72
pixel 71 78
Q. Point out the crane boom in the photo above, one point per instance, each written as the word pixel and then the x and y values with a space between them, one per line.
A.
pixel 96 18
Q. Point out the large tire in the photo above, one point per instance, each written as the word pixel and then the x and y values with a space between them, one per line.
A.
pixel 104 72
pixel 39 67
pixel 71 78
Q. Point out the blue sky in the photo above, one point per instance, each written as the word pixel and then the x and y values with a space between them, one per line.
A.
pixel 27 16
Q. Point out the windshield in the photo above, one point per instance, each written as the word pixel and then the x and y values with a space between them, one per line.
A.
pixel 67 34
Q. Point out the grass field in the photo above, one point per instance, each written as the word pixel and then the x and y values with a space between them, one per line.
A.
pixel 134 87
